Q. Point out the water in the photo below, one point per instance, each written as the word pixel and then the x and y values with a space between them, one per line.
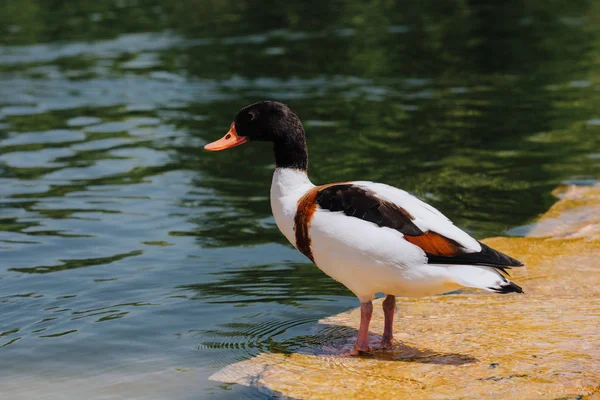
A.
pixel 134 264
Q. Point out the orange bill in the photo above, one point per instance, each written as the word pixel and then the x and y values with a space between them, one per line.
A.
pixel 231 139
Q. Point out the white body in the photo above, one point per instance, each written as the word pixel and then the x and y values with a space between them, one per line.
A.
pixel 367 258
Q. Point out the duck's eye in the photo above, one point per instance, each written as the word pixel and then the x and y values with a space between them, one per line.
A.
pixel 250 116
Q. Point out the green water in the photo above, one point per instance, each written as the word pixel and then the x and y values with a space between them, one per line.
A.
pixel 134 264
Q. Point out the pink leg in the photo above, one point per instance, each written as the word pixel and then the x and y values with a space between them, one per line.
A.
pixel 389 306
pixel 362 342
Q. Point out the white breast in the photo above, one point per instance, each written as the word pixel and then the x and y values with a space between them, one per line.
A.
pixel 288 186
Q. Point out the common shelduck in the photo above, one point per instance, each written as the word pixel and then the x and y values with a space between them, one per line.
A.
pixel 369 236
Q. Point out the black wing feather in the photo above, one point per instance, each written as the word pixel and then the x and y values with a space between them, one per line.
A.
pixel 355 201
pixel 487 257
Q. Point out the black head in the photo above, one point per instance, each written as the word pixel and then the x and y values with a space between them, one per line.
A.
pixel 268 121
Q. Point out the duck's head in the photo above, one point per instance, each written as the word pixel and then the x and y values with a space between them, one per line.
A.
pixel 268 121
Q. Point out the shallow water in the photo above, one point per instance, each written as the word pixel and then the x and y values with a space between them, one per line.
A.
pixel 136 264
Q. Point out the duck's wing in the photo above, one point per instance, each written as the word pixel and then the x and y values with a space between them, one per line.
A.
pixel 421 224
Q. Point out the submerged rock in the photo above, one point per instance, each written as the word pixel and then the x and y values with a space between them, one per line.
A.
pixel 544 344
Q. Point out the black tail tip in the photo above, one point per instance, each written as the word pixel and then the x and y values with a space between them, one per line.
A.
pixel 507 287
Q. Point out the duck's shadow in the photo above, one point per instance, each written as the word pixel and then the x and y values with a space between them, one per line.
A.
pixel 336 340
pixel 403 352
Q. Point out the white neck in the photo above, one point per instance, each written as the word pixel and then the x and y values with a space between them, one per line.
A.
pixel 289 180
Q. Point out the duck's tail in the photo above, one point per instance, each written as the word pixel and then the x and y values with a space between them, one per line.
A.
pixel 481 277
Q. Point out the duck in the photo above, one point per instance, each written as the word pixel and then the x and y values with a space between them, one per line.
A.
pixel 371 237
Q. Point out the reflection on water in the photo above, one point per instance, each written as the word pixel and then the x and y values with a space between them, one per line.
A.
pixel 129 252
